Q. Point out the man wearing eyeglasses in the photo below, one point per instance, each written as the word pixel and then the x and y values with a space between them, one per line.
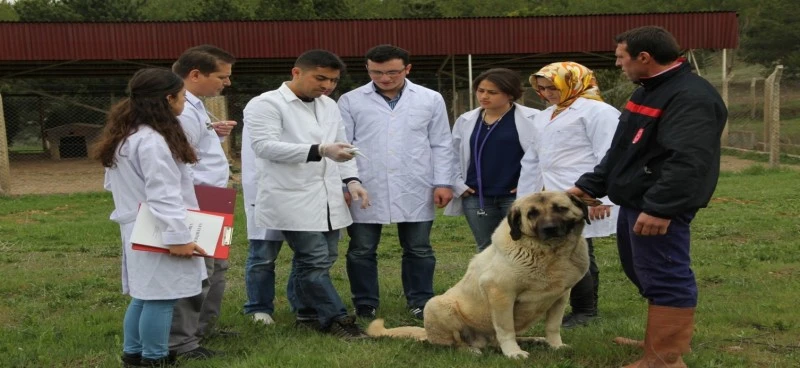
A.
pixel 403 131
pixel 206 71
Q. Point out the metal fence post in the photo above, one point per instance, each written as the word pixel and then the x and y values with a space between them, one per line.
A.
pixel 772 115
pixel 5 169
pixel 753 103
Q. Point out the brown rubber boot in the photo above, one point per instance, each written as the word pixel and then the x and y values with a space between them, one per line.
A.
pixel 669 332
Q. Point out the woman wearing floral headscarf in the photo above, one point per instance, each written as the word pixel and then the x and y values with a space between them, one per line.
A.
pixel 571 136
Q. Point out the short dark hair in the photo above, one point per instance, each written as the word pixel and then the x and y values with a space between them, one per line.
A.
pixel 507 80
pixel 654 40
pixel 205 58
pixel 384 53
pixel 319 59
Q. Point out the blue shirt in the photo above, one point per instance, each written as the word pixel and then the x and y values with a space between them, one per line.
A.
pixel 391 101
pixel 499 158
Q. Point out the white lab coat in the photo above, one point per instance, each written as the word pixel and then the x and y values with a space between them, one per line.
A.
pixel 212 166
pixel 408 151
pixel 565 148
pixel 462 131
pixel 249 188
pixel 294 194
pixel 147 172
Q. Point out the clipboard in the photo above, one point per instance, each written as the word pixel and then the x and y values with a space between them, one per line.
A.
pixel 213 231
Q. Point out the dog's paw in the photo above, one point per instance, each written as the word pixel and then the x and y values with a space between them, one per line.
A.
pixel 518 354
pixel 559 346
pixel 474 350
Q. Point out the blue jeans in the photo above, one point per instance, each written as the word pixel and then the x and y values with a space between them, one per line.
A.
pixel 259 278
pixel 416 268
pixel 314 254
pixel 146 327
pixel 483 226
pixel 660 265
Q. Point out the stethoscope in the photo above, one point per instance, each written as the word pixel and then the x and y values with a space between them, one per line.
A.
pixel 478 150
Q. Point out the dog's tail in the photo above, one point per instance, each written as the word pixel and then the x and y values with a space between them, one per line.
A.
pixel 377 329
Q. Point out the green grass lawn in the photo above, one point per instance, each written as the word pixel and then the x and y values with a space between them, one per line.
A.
pixel 60 301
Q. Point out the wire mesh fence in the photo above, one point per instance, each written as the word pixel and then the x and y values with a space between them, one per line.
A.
pixel 53 127
pixel 62 127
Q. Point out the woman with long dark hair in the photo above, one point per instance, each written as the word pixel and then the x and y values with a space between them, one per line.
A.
pixel 145 152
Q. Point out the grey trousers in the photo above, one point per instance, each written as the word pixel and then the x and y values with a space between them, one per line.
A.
pixel 193 317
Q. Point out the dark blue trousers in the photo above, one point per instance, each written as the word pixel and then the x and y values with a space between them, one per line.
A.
pixel 658 265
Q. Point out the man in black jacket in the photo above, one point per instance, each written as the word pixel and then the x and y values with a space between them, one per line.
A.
pixel 662 167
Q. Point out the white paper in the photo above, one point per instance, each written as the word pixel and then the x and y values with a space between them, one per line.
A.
pixel 205 229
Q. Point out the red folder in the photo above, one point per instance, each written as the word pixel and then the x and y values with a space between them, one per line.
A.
pixel 215 199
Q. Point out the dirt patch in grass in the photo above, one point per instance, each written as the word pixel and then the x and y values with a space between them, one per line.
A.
pixel 45 176
pixel 51 177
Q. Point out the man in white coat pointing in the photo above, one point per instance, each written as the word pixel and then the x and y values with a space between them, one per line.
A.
pixel 298 138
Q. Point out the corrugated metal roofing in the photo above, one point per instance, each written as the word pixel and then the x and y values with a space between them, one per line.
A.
pixel 351 38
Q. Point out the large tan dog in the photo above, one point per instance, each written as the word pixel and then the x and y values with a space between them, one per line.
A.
pixel 537 255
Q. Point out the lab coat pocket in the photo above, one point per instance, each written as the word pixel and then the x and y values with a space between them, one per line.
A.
pixel 419 118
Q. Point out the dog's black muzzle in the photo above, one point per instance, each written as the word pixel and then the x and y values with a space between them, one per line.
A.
pixel 553 230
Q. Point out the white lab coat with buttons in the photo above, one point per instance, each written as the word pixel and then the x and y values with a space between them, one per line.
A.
pixel 146 172
pixel 408 151
pixel 565 148
pixel 212 166
pixel 294 194
pixel 462 131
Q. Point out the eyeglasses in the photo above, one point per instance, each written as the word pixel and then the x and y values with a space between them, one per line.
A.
pixel 546 88
pixel 390 73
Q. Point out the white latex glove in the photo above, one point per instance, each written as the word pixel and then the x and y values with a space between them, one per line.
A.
pixel 338 151
pixel 357 192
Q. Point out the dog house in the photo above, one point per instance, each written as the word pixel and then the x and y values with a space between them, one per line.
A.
pixel 71 140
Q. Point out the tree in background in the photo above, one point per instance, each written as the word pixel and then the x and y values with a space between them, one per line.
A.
pixel 773 37
pixel 45 11
pixel 7 12
pixel 304 9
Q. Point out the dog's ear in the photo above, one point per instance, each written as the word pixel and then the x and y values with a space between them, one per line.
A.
pixel 582 205
pixel 515 223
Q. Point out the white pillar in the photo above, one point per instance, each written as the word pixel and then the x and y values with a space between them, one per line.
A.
pixel 471 97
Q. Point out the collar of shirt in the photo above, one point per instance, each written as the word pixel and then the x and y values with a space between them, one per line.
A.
pixel 392 101
pixel 195 101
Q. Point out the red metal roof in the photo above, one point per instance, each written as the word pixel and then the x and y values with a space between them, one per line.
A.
pixel 287 39
pixel 264 47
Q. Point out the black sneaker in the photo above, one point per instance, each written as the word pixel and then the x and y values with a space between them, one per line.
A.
pixel 131 360
pixel 365 311
pixel 199 353
pixel 576 320
pixel 346 328
pixel 417 312
pixel 168 361
pixel 308 323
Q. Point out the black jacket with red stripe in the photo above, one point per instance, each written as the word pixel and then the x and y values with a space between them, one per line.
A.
pixel 664 159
